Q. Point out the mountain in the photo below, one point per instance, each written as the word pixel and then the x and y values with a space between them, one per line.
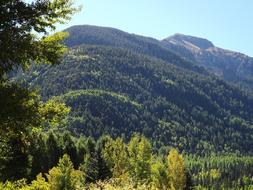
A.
pixel 119 90
pixel 187 52
pixel 232 66
pixel 118 83
pixel 95 35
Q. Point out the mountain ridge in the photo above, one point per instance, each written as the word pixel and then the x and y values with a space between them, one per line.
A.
pixel 192 53
pixel 198 42
pixel 95 35
pixel 234 67
pixel 181 105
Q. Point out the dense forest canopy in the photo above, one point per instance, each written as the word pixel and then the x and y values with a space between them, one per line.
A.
pixel 184 51
pixel 99 108
pixel 172 106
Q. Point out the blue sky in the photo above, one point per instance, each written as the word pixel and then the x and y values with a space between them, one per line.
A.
pixel 227 23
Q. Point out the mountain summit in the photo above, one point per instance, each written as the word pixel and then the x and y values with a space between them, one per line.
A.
pixel 229 65
pixel 190 41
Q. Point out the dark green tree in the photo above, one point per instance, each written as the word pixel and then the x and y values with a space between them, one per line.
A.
pixel 69 147
pixel 54 150
pixel 81 149
pixel 39 156
pixel 90 162
pixel 104 171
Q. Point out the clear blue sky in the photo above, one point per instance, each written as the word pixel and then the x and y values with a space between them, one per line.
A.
pixel 227 23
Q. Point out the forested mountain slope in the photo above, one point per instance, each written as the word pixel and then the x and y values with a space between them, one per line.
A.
pixel 232 66
pixel 118 92
pixel 95 35
pixel 114 110
pixel 186 51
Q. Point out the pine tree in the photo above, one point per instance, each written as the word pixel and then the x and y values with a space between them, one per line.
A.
pixel 39 154
pixel 90 162
pixel 81 149
pixel 69 148
pixel 53 150
pixel 104 171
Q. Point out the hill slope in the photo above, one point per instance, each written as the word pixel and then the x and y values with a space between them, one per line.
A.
pixel 231 66
pixel 95 35
pixel 118 92
pixel 187 52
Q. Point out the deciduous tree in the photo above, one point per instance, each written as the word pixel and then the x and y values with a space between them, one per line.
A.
pixel 176 170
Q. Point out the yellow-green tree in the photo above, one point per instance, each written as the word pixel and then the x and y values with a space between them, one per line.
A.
pixel 39 184
pixel 115 153
pixel 64 176
pixel 176 170
pixel 140 156
pixel 159 175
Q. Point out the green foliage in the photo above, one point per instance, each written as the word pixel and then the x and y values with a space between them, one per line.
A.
pixel 21 21
pixel 159 176
pixel 176 170
pixel 41 154
pixel 90 162
pixel 22 112
pixel 114 164
pixel 53 113
pixel 38 184
pixel 94 164
pixel 63 176
pixel 54 150
pixel 115 153
pixel 19 109
pixel 227 171
pixel 26 115
pixel 69 148
pixel 18 114
pixel 13 185
pixel 140 155
pixel 192 113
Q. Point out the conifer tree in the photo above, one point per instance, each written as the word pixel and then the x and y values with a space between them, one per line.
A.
pixel 40 156
pixel 53 150
pixel 104 171
pixel 69 148
pixel 90 162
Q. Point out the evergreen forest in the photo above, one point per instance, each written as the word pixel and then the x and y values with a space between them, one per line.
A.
pixel 98 108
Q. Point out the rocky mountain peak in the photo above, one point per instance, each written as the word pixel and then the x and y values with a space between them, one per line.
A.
pixel 186 40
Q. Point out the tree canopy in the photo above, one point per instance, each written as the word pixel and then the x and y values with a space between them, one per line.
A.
pixel 24 32
pixel 25 40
